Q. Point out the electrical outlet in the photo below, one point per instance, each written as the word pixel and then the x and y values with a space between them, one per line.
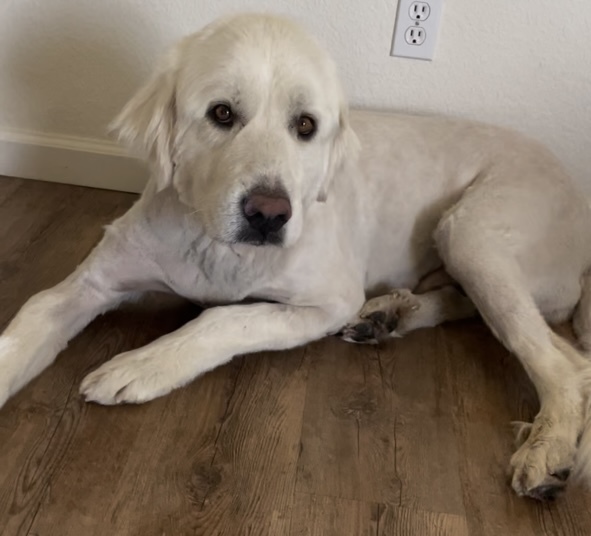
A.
pixel 419 11
pixel 415 35
pixel 417 26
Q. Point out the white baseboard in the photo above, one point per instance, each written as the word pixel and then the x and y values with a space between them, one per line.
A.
pixel 69 159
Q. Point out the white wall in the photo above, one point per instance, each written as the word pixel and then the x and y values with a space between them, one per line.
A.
pixel 67 66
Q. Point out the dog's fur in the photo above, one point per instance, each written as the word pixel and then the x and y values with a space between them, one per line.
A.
pixel 380 203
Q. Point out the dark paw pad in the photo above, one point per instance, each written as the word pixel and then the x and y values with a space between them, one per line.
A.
pixel 373 328
pixel 547 492
pixel 362 332
pixel 562 474
pixel 384 322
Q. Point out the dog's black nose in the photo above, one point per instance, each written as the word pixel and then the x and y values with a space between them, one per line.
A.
pixel 266 212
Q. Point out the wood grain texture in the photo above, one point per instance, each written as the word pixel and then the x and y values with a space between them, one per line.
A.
pixel 348 443
pixel 257 449
pixel 317 515
pixel 396 521
pixel 426 451
pixel 408 438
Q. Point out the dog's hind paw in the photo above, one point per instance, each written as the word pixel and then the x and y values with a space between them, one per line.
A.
pixel 380 317
pixel 542 464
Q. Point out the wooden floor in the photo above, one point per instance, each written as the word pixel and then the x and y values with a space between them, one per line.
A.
pixel 411 438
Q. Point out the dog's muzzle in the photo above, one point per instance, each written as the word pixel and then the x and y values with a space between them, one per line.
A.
pixel 265 214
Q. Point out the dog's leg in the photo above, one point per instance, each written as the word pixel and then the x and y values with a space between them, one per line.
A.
pixel 401 311
pixel 207 342
pixel 582 328
pixel 493 280
pixel 48 320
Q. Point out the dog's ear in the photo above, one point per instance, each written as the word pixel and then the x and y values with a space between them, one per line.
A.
pixel 345 148
pixel 147 123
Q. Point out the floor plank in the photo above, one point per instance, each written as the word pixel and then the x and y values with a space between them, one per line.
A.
pixel 427 460
pixel 315 515
pixel 396 521
pixel 348 443
pixel 257 450
pixel 8 186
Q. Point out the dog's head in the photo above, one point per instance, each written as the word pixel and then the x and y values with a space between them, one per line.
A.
pixel 247 120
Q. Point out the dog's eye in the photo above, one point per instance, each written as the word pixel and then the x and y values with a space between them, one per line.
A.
pixel 222 114
pixel 306 127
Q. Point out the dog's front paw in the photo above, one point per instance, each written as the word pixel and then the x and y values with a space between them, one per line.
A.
pixel 543 462
pixel 380 318
pixel 131 378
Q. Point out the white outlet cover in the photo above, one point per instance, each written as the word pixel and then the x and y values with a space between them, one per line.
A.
pixel 405 22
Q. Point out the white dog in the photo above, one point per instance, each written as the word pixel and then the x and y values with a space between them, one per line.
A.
pixel 266 190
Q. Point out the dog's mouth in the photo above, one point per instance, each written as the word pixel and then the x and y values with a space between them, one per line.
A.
pixel 262 236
